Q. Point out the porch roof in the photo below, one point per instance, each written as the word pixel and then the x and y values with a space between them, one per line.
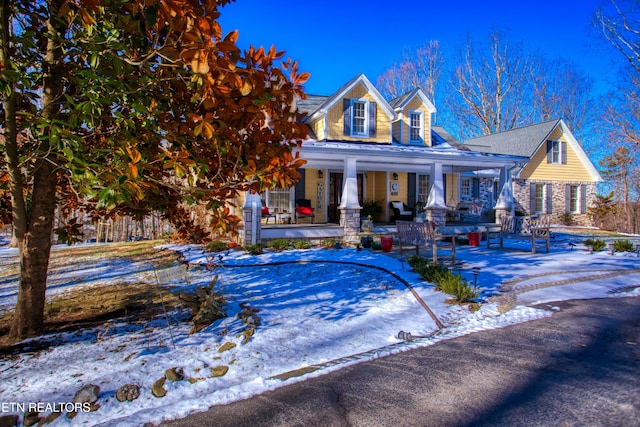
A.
pixel 395 157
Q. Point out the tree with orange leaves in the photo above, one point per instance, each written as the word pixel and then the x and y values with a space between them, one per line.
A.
pixel 117 106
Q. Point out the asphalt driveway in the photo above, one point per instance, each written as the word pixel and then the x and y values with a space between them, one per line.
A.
pixel 579 367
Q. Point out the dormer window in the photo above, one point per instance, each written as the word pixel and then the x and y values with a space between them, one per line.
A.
pixel 416 127
pixel 557 152
pixel 359 118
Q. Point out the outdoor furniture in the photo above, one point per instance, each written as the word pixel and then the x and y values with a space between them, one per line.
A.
pixel 401 212
pixel 422 234
pixel 283 217
pixel 468 209
pixel 266 214
pixel 304 210
pixel 535 228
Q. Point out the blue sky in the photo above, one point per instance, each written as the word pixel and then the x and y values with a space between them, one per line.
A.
pixel 336 40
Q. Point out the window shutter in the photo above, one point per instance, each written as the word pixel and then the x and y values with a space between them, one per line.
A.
pixel 583 199
pixel 412 196
pixel 346 108
pixel 476 188
pixel 549 197
pixel 563 146
pixel 567 198
pixel 532 198
pixel 373 113
pixel 549 150
pixel 300 185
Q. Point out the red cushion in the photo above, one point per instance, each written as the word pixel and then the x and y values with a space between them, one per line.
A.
pixel 265 210
pixel 304 210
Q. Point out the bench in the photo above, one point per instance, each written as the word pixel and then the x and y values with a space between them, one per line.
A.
pixel 535 228
pixel 422 234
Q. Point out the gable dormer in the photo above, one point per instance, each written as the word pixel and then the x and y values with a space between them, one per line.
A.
pixel 356 112
pixel 413 124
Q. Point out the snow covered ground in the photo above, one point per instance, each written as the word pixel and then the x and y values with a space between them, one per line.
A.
pixel 319 310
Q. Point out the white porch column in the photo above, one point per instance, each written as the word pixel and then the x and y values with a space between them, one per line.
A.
pixel 350 188
pixel 504 205
pixel 349 205
pixel 436 204
pixel 251 216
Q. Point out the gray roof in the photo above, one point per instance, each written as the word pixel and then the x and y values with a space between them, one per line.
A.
pixel 311 104
pixel 396 102
pixel 523 141
pixel 439 136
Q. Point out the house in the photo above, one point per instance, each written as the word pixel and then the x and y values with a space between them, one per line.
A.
pixel 363 147
pixel 558 178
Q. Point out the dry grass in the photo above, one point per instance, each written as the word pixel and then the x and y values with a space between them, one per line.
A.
pixel 83 306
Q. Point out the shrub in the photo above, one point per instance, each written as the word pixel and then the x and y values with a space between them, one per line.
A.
pixel 622 246
pixel 372 208
pixel 256 249
pixel 217 246
pixel 447 282
pixel 459 287
pixel 567 218
pixel 329 243
pixel 596 244
pixel 302 244
pixel 280 244
pixel 430 272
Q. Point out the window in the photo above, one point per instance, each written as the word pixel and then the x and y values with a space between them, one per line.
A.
pixel 557 152
pixel 416 126
pixel 539 198
pixel 278 199
pixel 465 188
pixel 576 202
pixel 423 188
pixel 359 117
pixel 574 199
pixel 359 124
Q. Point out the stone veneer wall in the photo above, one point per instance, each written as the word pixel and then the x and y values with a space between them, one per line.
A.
pixel 245 233
pixel 350 223
pixel 522 192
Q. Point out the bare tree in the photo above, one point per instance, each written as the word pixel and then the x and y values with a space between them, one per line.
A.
pixel 621 169
pixel 417 69
pixel 620 25
pixel 562 90
pixel 489 91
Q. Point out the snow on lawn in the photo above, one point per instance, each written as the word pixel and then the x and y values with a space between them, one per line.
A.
pixel 318 310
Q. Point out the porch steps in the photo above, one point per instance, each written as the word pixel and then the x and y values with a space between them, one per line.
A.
pixel 310 232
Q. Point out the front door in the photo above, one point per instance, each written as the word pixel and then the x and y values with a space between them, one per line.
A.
pixel 336 184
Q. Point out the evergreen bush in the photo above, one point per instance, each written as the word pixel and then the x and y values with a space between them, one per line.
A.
pixel 256 249
pixel 280 244
pixel 302 244
pixel 595 244
pixel 217 246
pixel 622 246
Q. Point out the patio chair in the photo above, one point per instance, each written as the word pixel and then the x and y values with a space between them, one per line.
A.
pixel 401 212
pixel 266 214
pixel 304 210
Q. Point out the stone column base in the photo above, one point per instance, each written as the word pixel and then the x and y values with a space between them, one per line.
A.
pixel 437 216
pixel 350 223
pixel 502 213
pixel 246 234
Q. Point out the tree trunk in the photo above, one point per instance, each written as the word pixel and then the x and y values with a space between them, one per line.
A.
pixel 16 178
pixel 35 249
pixel 34 256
